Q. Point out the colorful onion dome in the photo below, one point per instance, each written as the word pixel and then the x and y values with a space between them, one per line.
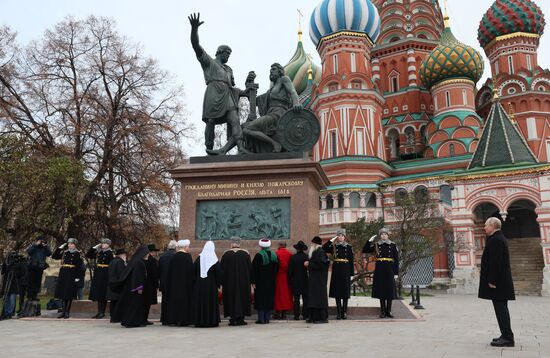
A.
pixel 508 16
pixel 332 16
pixel 451 59
pixel 298 67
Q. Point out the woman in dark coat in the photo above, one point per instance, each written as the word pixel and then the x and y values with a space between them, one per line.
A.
pixel 263 278
pixel 71 274
pixel 495 281
pixel 117 266
pixel 102 255
pixel 317 287
pixel 132 298
pixel 343 269
pixel 385 271
pixel 208 280
pixel 298 280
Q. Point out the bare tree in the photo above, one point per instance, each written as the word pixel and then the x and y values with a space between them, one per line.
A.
pixel 89 93
pixel 417 229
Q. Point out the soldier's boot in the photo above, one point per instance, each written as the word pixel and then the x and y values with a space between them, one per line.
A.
pixel 68 309
pixel 338 309
pixel 388 309
pixel 345 309
pixel 62 314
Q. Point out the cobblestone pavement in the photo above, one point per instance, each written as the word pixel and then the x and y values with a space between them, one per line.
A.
pixel 451 326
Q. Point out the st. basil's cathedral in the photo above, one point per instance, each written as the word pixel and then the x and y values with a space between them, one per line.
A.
pixel 401 111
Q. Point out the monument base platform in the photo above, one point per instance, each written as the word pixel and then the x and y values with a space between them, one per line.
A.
pixel 272 195
pixel 359 308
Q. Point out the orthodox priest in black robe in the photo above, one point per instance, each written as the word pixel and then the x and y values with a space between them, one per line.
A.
pixel 164 263
pixel 236 268
pixel 298 279
pixel 264 274
pixel 117 266
pixel 102 256
pixel 208 279
pixel 132 300
pixel 152 283
pixel 317 286
pixel 177 296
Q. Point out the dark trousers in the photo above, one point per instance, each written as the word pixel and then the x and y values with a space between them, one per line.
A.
pixel 297 305
pixel 35 282
pixel 264 316
pixel 503 319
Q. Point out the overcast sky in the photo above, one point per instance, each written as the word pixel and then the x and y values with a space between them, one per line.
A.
pixel 258 31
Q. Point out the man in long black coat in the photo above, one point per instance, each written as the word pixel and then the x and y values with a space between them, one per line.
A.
pixel 164 263
pixel 263 277
pixel 343 270
pixel 298 280
pixel 150 290
pixel 38 252
pixel 102 256
pixel 132 303
pixel 495 282
pixel 236 268
pixel 385 270
pixel 317 286
pixel 117 266
pixel 177 293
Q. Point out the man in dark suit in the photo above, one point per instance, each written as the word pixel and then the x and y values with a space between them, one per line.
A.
pixel 495 281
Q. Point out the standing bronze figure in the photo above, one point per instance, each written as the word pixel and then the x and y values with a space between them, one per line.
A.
pixel 221 98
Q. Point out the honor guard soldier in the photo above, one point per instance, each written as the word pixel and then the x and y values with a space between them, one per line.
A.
pixel 385 271
pixel 102 254
pixel 343 270
pixel 71 274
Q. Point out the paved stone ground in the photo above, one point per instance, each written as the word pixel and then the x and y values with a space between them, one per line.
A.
pixel 452 326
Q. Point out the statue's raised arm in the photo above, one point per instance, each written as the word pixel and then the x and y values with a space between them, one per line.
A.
pixel 195 21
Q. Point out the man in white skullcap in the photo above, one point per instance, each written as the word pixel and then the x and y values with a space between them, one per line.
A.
pixel 178 290
pixel 264 273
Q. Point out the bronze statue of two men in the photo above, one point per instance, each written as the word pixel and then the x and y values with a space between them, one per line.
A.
pixel 221 102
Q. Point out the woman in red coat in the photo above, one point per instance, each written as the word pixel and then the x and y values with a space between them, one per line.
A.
pixel 283 294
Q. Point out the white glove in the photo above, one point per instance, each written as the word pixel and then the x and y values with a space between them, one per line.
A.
pixel 395 277
pixel 372 238
pixel 76 279
pixel 63 246
pixel 97 246
pixel 333 239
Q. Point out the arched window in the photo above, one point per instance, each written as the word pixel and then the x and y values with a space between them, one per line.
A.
pixel 393 135
pixel 511 65
pixel 400 195
pixel 409 135
pixel 421 194
pixel 353 62
pixel 394 83
pixel 370 200
pixel 445 194
pixel 354 200
pixel 330 202
pixel 340 201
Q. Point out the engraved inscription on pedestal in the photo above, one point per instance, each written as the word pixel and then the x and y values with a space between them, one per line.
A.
pixel 249 219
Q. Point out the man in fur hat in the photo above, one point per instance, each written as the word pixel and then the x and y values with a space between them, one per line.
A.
pixel 102 256
pixel 71 274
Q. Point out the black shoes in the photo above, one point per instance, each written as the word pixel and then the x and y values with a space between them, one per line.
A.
pixel 501 342
pixel 389 315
